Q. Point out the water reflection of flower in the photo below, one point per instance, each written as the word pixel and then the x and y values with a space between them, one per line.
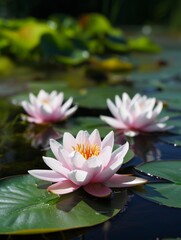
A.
pixel 136 115
pixel 144 147
pixel 39 135
pixel 88 162
pixel 47 108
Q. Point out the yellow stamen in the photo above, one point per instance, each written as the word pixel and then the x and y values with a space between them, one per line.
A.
pixel 87 150
pixel 45 101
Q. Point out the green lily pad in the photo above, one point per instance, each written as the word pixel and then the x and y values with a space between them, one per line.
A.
pixel 168 194
pixel 27 37
pixel 94 24
pixel 27 208
pixel 63 50
pixel 144 44
pixel 88 124
pixel 92 98
pixel 169 170
pixel 170 98
pixel 96 97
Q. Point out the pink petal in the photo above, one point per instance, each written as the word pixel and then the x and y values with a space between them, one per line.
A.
pixel 120 150
pixel 54 145
pixel 47 175
pixel 158 109
pixel 56 166
pixel 113 109
pixel 31 119
pixel 68 142
pixel 114 164
pixel 113 122
pixel 93 165
pixel 131 133
pixel 135 99
pixel 42 94
pixel 125 116
pixel 66 105
pixel 63 187
pixel 118 101
pixel 70 111
pixel 65 158
pixel 32 98
pixel 126 99
pixel 94 138
pixel 79 177
pixel 53 94
pixel 82 137
pixel 105 156
pixel 108 140
pixel 78 160
pixel 121 181
pixel 156 127
pixel 28 108
pixel 97 190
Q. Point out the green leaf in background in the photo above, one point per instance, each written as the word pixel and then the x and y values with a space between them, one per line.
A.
pixel 168 194
pixel 60 48
pixel 92 98
pixel 26 37
pixel 94 24
pixel 7 66
pixel 113 64
pixel 26 207
pixel 171 98
pixel 169 170
pixel 143 44
pixel 96 97
pixel 116 42
pixel 88 124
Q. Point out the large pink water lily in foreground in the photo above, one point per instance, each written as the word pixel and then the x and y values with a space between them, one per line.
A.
pixel 47 108
pixel 88 162
pixel 136 115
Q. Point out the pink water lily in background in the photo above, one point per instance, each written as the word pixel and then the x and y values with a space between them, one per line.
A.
pixel 47 108
pixel 139 114
pixel 86 161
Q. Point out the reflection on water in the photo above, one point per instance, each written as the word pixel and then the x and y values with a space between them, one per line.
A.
pixel 39 135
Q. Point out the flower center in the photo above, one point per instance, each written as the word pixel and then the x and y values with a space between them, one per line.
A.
pixel 45 101
pixel 87 150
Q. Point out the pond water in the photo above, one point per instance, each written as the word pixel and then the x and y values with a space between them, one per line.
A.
pixel 22 145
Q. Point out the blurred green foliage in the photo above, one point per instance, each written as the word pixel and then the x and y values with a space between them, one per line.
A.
pixel 63 39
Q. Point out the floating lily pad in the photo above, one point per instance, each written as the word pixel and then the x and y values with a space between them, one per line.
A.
pixel 88 124
pixel 26 207
pixel 144 44
pixel 94 97
pixel 168 194
pixel 170 98
pixel 111 64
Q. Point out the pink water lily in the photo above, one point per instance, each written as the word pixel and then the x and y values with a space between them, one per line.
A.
pixel 139 114
pixel 86 161
pixel 47 108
